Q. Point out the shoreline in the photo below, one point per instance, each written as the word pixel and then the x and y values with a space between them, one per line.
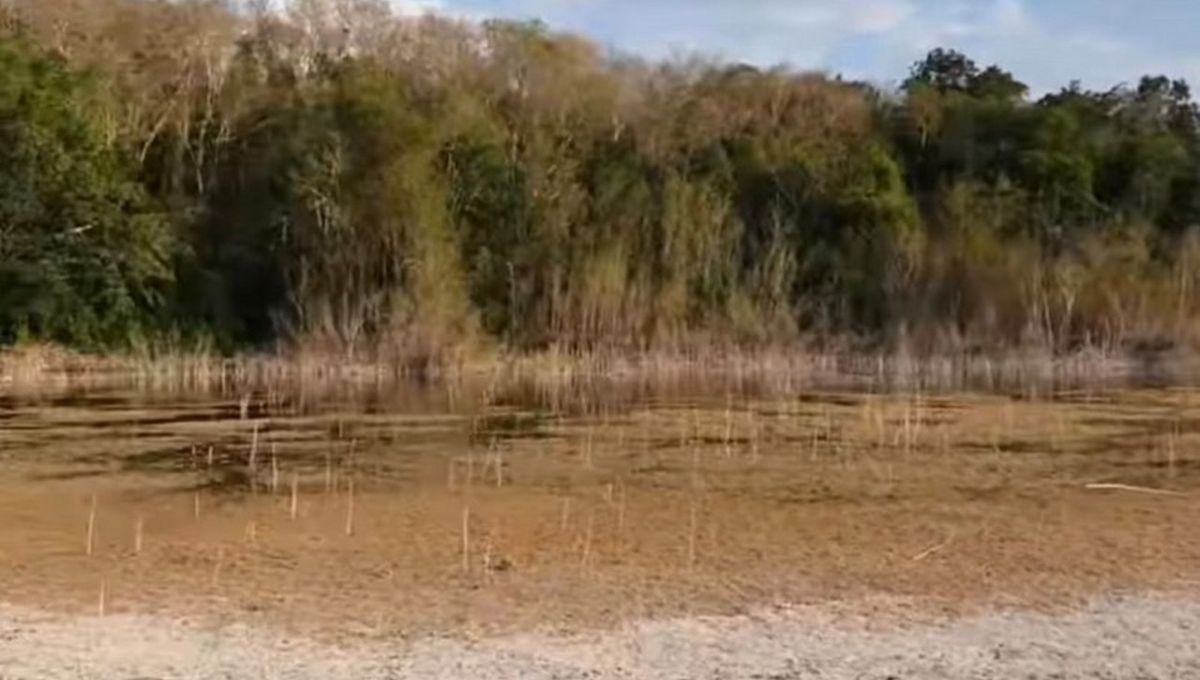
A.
pixel 841 503
pixel 785 369
pixel 1145 636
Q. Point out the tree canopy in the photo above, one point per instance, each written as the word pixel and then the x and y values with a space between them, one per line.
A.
pixel 335 173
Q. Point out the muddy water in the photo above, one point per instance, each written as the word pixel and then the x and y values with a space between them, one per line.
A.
pixel 386 510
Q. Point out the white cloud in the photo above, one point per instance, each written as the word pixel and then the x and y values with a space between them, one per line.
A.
pixel 881 16
pixel 418 7
pixel 1047 43
pixel 1009 16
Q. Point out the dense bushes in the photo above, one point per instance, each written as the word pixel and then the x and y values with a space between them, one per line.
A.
pixel 84 254
pixel 378 184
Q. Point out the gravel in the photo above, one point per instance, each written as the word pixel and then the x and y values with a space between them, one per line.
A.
pixel 1125 639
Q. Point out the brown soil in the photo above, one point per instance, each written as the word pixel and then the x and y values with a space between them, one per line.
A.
pixel 954 502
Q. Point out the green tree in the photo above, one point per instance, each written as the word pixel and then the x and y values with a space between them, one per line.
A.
pixel 84 255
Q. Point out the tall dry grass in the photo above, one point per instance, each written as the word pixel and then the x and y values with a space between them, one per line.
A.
pixel 593 382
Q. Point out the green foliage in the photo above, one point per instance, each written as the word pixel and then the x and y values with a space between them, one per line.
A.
pixel 338 215
pixel 83 253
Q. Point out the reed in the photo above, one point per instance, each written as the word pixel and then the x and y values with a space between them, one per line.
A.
pixel 91 527
pixel 294 506
pixel 328 471
pixel 1171 455
pixel 466 539
pixel 254 451
pixel 753 429
pixel 585 557
pixel 350 507
pixel 908 431
pixel 693 528
pixel 728 426
pixel 622 503
pixel 470 468
pixel 499 456
pixel 251 533
pixel 558 375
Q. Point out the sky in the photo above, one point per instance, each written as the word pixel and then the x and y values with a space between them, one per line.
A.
pixel 1044 43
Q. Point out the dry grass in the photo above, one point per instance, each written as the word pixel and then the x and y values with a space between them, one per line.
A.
pixel 404 516
pixel 36 369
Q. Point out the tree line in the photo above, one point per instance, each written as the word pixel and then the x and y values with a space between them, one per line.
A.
pixel 335 174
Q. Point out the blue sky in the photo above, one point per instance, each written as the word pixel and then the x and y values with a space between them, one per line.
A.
pixel 1046 43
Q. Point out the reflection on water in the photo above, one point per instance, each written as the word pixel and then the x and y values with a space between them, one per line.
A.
pixel 391 503
pixel 226 441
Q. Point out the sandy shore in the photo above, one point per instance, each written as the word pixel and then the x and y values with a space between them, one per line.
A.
pixel 1145 638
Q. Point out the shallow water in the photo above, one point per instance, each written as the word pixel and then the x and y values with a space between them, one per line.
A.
pixel 454 507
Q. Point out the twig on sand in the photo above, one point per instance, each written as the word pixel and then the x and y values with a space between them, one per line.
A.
pixel 933 550
pixel 1135 489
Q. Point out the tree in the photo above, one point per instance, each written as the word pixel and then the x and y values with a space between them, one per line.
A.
pixel 944 70
pixel 83 252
